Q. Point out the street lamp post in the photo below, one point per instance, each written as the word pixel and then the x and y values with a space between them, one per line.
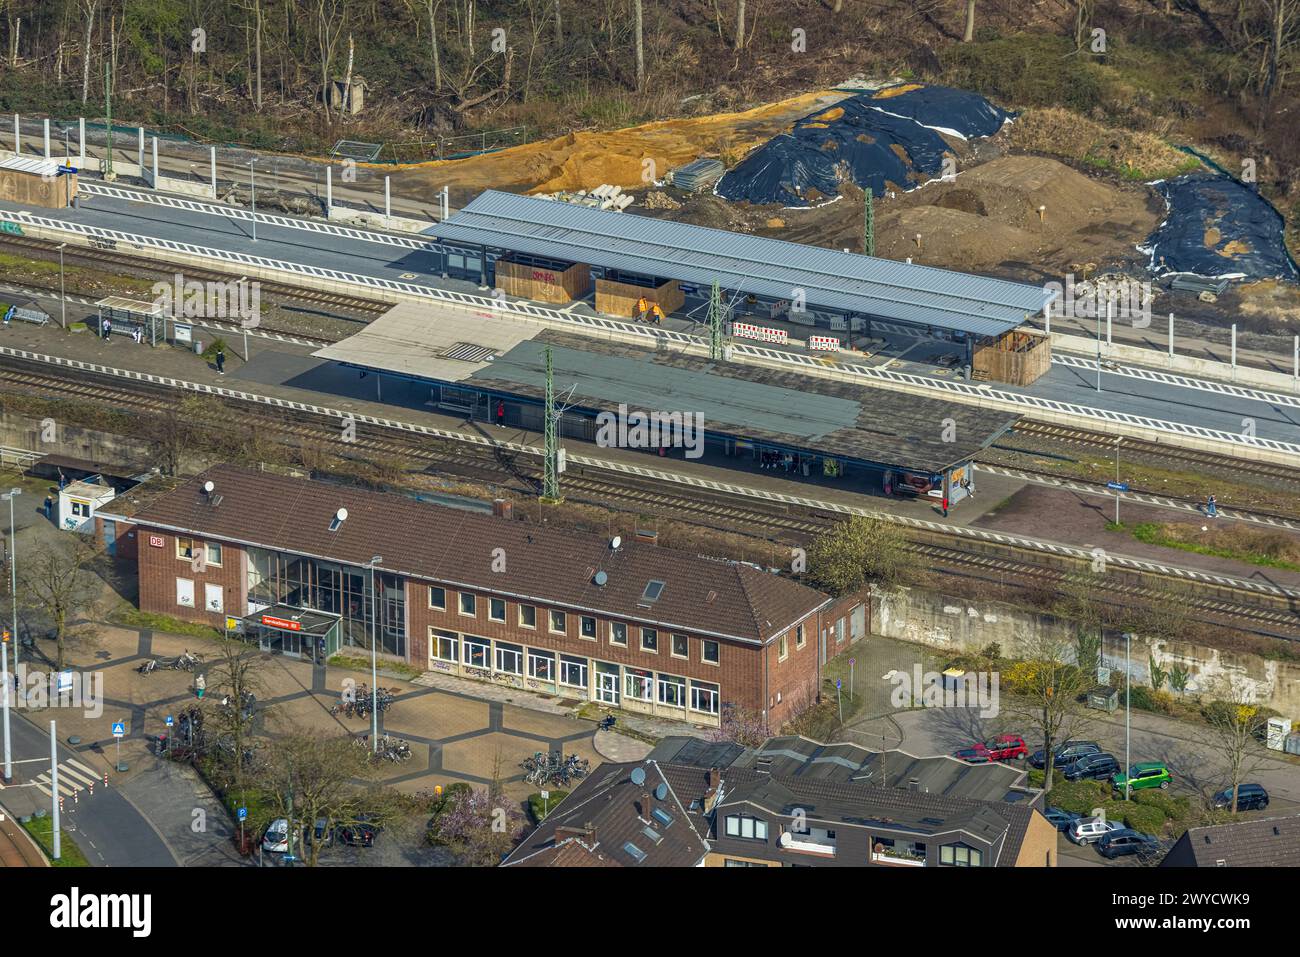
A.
pixel 4 695
pixel 1118 440
pixel 13 569
pixel 1128 709
pixel 374 657
pixel 1098 350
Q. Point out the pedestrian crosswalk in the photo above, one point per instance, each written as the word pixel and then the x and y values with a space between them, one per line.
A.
pixel 73 776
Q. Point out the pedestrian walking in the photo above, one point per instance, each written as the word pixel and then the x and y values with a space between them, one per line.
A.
pixel 138 335
pixel 63 480
pixel 200 686
pixel 501 414
pixel 1211 507
pixel 108 328
pixel 49 507
pixel 221 361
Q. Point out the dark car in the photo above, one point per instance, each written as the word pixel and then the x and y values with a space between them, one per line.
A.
pixel 1064 753
pixel 1127 841
pixel 1061 820
pixel 318 834
pixel 359 833
pixel 975 755
pixel 1250 797
pixel 1098 767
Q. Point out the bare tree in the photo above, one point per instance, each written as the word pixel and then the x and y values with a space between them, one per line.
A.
pixel 56 581
pixel 1045 690
pixel 1234 722
pixel 740 25
pixel 236 677
pixel 969 33
pixel 331 20
pixel 90 6
pixel 640 48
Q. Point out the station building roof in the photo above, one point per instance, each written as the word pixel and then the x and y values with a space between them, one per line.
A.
pixel 922 295
pixel 781 408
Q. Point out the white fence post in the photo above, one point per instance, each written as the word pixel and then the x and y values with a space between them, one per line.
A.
pixel 1171 335
pixel 155 162
pixel 388 201
pixel 329 190
pixel 47 137
pixel 18 138
pixel 1234 352
pixel 212 160
pixel 81 137
pixel 140 149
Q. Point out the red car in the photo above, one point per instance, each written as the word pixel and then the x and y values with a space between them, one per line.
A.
pixel 1005 747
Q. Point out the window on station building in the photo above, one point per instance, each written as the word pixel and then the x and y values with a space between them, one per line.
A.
pixel 214 553
pixel 185 548
pixel 649 640
pixel 478 652
pixel 445 644
pixel 510 658
pixel 681 646
pixel 639 684
pixel 618 633
pixel 587 627
pixel 704 697
pixel 467 604
pixel 437 598
pixel 541 665
pixel 559 622
pixel 497 609
pixel 672 691
pixel 527 616
pixel 573 671
pixel 709 651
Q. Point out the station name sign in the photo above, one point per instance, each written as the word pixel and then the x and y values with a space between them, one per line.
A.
pixel 285 623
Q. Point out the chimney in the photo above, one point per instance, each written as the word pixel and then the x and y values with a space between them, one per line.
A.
pixel 643 805
pixel 713 778
pixel 503 508
pixel 586 832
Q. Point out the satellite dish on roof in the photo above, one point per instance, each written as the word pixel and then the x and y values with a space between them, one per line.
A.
pixel 341 515
pixel 661 791
pixel 638 776
pixel 601 578
pixel 616 541
pixel 209 486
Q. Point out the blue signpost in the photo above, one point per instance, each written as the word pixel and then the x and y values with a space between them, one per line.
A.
pixel 119 732
pixel 1117 487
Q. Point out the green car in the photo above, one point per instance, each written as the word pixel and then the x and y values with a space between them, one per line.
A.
pixel 1149 774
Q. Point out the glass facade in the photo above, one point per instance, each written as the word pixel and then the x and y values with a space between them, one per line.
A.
pixel 343 590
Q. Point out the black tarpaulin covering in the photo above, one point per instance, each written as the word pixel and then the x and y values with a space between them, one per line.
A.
pixel 1218 226
pixel 871 140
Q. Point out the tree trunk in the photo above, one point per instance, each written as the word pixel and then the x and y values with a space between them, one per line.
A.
pixel 640 49
pixel 969 35
pixel 559 26
pixel 740 25
pixel 432 7
pixel 347 79
pixel 257 55
pixel 85 50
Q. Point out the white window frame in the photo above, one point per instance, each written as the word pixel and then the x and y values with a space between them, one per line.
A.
pixel 672 642
pixel 219 606
pixel 652 631
pixel 207 551
pixel 181 555
pixel 707 691
pixel 436 637
pixel 184 585
pixel 676 682
pixel 535 656
pixel 783 647
pixel 615 627
pixel 800 638
pixel 474 641
pixel 504 608
pixel 524 624
pixel 550 622
pixel 473 604
pixel 501 653
pixel 438 588
pixel 595 627
pixel 638 684
pixel 567 662
pixel 717 646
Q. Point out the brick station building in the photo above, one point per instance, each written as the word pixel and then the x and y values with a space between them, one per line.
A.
pixel 306 567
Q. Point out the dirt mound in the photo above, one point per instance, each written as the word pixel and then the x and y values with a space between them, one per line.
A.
pixel 1060 132
pixel 1015 209
pixel 585 160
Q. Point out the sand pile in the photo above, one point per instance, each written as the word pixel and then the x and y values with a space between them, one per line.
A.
pixel 989 216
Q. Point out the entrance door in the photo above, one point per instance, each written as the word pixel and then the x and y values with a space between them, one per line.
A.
pixel 607 684
pixel 293 643
pixel 270 639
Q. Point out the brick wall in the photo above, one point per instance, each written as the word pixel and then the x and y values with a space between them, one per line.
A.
pixel 159 568
pixel 792 680
pixel 738 672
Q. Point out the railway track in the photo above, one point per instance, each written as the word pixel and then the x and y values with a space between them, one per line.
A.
pixel 103 258
pixel 777 523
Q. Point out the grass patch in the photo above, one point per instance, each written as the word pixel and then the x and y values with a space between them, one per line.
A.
pixel 359 663
pixel 132 617
pixel 539 808
pixel 1264 548
pixel 42 831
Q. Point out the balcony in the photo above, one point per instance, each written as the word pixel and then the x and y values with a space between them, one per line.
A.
pixel 897 856
pixel 806 844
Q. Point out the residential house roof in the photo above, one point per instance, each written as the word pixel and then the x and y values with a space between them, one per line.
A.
pixel 1265 842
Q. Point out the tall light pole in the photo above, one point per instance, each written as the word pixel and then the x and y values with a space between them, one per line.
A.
pixel 63 298
pixel 1128 709
pixel 252 185
pixel 374 657
pixel 13 569
pixel 1118 440
pixel 1098 350
pixel 54 790
pixel 4 695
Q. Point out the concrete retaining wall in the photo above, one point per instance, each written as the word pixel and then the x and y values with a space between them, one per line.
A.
pixel 365 219
pixel 961 625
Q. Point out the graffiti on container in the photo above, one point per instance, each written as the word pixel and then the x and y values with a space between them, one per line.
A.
pixel 8 227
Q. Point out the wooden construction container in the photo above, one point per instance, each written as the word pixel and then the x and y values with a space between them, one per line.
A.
pixel 36 182
pixel 1018 358
pixel 559 283
pixel 615 298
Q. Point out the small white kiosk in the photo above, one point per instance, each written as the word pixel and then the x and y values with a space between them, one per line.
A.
pixel 79 501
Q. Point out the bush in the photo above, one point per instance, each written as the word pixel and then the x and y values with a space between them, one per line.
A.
pixel 1141 817
pixel 1079 797
pixel 539 808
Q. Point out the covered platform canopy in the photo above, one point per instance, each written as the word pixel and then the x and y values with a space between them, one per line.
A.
pixel 865 285
pixel 749 403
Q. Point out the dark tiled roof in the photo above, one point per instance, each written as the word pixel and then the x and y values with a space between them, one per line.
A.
pixel 455 547
pixel 1267 842
pixel 613 812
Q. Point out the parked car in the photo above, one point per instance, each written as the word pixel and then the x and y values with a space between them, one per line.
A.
pixel 319 834
pixel 1147 774
pixel 358 833
pixel 276 838
pixel 1064 753
pixel 1059 819
pixel 1250 797
pixel 1005 747
pixel 1089 830
pixel 1097 767
pixel 1124 841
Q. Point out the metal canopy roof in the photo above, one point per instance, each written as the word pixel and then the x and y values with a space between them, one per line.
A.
pixel 909 293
